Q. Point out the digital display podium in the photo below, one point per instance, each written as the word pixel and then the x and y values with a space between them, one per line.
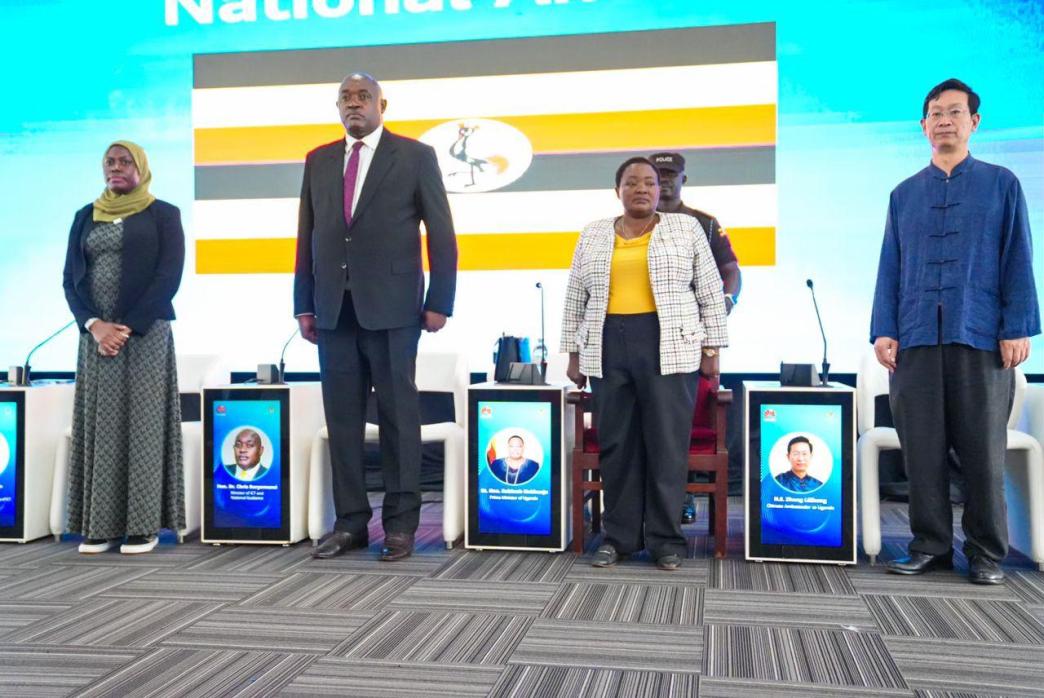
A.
pixel 12 464
pixel 516 458
pixel 256 448
pixel 32 420
pixel 799 480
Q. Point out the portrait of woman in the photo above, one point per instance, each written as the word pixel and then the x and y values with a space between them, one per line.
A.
pixel 122 268
pixel 644 311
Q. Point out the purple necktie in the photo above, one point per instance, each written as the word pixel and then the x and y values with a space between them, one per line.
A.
pixel 351 175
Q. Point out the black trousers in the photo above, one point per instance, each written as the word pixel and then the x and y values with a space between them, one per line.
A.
pixel 952 395
pixel 352 361
pixel 644 423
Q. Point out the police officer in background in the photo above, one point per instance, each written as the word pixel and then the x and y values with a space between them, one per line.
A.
pixel 672 177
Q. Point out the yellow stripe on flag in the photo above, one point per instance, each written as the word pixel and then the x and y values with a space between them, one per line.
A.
pixel 548 133
pixel 477 252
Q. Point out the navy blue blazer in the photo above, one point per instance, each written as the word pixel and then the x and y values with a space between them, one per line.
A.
pixel 153 258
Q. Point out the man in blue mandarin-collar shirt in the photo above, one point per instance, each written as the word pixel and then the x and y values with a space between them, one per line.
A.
pixel 954 309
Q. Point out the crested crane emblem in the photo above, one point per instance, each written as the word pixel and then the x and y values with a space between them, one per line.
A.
pixel 479 155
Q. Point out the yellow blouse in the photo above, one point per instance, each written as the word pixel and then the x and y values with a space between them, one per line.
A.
pixel 630 291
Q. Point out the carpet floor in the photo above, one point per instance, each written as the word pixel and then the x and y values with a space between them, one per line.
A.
pixel 200 620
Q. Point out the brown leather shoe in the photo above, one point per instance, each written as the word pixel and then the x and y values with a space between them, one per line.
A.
pixel 337 543
pixel 397 546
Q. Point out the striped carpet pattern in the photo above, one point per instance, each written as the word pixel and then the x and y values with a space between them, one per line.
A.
pixel 627 603
pixel 800 655
pixel 196 620
pixel 184 672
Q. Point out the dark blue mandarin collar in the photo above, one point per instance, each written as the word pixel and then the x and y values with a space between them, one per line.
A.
pixel 962 167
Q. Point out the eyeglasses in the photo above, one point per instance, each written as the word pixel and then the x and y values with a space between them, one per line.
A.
pixel 954 114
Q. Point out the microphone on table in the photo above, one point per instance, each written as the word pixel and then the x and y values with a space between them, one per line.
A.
pixel 825 377
pixel 543 346
pixel 270 374
pixel 19 375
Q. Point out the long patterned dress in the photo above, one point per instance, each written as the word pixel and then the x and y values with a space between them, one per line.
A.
pixel 125 469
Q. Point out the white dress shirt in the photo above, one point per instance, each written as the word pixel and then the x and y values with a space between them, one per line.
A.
pixel 365 158
pixel 249 474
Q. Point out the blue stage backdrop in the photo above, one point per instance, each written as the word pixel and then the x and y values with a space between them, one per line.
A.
pixel 797 120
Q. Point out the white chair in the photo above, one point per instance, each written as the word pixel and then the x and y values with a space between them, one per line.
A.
pixel 194 372
pixel 1024 467
pixel 1024 486
pixel 1032 420
pixel 442 373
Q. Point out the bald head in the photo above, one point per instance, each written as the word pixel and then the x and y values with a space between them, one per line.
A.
pixel 361 104
pixel 247 449
pixel 362 77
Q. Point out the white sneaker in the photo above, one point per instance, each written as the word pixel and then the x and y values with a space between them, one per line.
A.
pixel 93 546
pixel 136 545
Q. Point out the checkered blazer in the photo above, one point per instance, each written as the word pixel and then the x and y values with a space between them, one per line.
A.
pixel 685 285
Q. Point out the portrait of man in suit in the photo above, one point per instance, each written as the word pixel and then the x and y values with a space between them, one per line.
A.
pixel 359 293
pixel 247 450
pixel 797 479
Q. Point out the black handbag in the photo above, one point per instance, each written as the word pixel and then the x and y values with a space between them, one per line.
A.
pixel 509 350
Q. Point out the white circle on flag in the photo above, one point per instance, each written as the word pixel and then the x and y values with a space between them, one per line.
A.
pixel 479 155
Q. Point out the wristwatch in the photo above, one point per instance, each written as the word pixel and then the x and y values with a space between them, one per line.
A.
pixel 710 352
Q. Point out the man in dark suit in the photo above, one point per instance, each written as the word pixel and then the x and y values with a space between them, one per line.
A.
pixel 359 295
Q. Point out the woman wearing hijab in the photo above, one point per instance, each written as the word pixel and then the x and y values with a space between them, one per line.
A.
pixel 644 312
pixel 122 269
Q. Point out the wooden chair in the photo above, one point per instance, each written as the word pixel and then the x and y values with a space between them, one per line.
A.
pixel 707 454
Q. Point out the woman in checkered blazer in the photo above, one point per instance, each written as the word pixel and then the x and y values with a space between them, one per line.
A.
pixel 644 312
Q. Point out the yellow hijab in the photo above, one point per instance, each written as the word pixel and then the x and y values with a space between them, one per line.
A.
pixel 110 205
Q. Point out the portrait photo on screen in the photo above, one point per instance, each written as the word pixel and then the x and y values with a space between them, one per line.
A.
pixel 514 456
pixel 5 454
pixel 801 462
pixel 247 453
pixel 8 466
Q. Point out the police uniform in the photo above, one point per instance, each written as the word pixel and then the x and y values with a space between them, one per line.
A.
pixel 721 246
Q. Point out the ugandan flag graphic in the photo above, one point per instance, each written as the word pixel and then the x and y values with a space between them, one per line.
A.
pixel 547 119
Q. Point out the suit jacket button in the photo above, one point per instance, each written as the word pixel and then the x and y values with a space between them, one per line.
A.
pixel 348 239
pixel 344 266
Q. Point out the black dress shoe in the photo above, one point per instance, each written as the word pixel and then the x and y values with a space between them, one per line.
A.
pixel 919 563
pixel 605 556
pixel 338 542
pixel 397 546
pixel 669 562
pixel 689 510
pixel 983 570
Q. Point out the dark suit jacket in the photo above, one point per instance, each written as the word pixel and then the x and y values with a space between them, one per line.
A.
pixel 153 258
pixel 381 253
